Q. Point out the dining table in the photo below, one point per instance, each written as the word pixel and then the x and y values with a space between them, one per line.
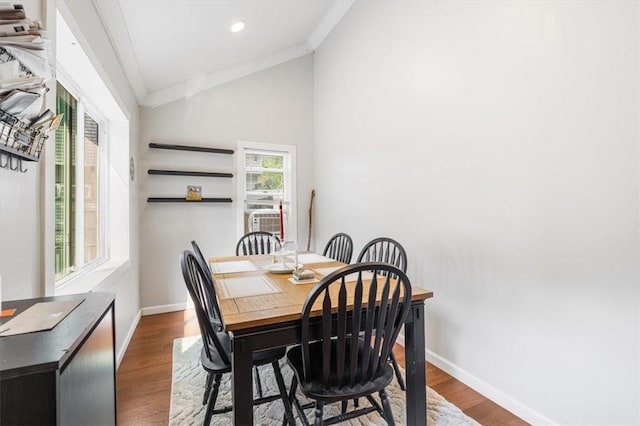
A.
pixel 261 303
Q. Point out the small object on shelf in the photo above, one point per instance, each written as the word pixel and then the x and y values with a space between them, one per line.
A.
pixel 194 193
pixel 190 148
pixel 184 200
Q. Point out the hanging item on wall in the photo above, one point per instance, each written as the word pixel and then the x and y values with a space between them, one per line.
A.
pixel 24 70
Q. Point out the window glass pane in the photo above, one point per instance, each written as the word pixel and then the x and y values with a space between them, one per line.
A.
pixel 265 182
pixel 65 185
pixel 91 190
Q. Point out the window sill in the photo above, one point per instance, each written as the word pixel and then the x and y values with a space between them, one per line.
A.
pixel 89 280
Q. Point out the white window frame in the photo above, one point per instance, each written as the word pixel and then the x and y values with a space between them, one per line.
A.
pixel 82 106
pixel 290 193
pixel 77 57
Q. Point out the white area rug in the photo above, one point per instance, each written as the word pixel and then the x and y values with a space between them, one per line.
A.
pixel 187 388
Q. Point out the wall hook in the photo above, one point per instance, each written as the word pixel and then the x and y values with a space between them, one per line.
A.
pixel 4 166
pixel 20 163
pixel 11 163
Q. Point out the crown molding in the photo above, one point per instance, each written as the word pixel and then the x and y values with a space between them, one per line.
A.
pixel 328 23
pixel 219 77
pixel 117 31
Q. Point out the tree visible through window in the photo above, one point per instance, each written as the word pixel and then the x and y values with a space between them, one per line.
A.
pixel 266 184
pixel 65 219
pixel 77 191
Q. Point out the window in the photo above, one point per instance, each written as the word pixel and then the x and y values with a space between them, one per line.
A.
pixel 266 174
pixel 78 188
pixel 87 187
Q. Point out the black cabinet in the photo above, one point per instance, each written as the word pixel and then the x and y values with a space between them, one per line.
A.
pixel 64 376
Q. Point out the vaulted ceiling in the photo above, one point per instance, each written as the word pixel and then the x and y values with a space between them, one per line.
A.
pixel 175 48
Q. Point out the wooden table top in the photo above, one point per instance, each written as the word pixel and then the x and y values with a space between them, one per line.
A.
pixel 282 305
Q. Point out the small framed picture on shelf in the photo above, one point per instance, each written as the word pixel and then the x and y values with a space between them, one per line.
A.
pixel 194 193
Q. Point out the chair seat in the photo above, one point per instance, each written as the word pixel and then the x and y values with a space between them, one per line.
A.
pixel 218 366
pixel 313 387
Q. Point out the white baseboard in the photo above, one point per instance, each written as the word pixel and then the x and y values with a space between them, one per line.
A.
pixel 496 395
pixel 152 310
pixel 482 387
pixel 127 339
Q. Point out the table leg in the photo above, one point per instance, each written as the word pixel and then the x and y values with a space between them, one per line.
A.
pixel 415 366
pixel 242 383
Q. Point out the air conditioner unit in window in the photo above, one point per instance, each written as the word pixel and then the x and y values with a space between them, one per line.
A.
pixel 265 220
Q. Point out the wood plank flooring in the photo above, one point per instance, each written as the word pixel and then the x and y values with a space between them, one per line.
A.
pixel 144 377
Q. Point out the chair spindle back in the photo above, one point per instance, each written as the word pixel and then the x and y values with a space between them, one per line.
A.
pixel 384 250
pixel 203 297
pixel 258 242
pixel 348 308
pixel 340 248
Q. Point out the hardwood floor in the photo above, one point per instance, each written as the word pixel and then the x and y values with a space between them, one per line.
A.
pixel 144 377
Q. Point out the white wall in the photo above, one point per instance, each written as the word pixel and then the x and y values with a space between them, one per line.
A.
pixel 498 142
pixel 24 206
pixel 272 106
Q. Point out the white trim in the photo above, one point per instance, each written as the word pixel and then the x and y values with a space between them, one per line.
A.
pixel 127 339
pixel 115 26
pixel 161 309
pixel 112 18
pixel 525 413
pixel 505 401
pixel 328 23
pixel 88 279
pixel 84 107
pixel 79 178
pixel 219 77
pixel 94 59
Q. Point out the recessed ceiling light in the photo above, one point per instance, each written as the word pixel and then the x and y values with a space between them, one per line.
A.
pixel 237 27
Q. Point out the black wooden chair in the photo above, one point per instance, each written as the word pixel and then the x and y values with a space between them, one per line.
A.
pixel 385 250
pixel 340 248
pixel 258 242
pixel 214 310
pixel 389 251
pixel 216 345
pixel 215 318
pixel 351 359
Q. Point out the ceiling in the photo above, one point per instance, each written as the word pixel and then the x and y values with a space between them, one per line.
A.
pixel 170 49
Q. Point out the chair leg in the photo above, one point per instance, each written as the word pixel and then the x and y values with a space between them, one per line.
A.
pixel 212 399
pixel 319 413
pixel 344 406
pixel 296 403
pixel 396 368
pixel 283 393
pixel 258 383
pixel 207 388
pixel 388 414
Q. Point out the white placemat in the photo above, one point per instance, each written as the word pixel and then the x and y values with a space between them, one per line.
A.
pixel 327 270
pixel 313 258
pixel 309 281
pixel 366 275
pixel 232 288
pixel 233 266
